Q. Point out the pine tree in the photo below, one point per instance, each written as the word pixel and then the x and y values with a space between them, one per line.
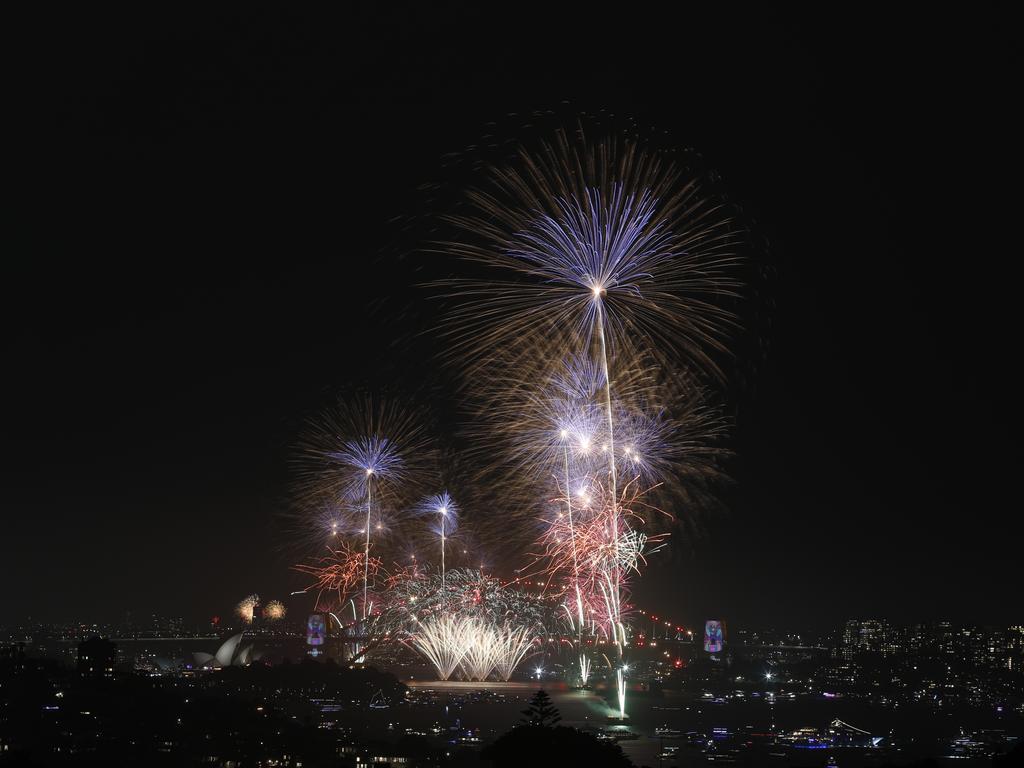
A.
pixel 541 711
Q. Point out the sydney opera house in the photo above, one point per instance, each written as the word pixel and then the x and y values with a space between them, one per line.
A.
pixel 230 654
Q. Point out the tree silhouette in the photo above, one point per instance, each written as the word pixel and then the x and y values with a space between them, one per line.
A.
pixel 541 711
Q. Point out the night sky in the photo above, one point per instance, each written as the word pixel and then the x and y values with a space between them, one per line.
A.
pixel 203 255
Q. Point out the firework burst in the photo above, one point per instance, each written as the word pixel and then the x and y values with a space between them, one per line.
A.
pixel 475 646
pixel 444 512
pixel 599 258
pixel 358 465
pixel 339 574
pixel 444 640
pixel 582 233
pixel 591 326
pixel 274 611
pixel 246 608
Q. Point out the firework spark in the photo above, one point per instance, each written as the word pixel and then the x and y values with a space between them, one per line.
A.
pixel 474 646
pixel 246 608
pixel 582 229
pixel 443 640
pixel 274 610
pixel 340 573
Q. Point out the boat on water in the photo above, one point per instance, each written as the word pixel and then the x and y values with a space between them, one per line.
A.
pixel 617 734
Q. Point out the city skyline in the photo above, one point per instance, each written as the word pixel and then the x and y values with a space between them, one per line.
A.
pixel 868 690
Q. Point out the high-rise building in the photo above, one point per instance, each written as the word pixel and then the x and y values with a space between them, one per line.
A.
pixel 1015 648
pixel 944 639
pixel 97 657
pixel 876 635
pixel 920 639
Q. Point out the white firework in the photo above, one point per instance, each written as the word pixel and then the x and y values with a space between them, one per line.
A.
pixel 476 647
pixel 443 640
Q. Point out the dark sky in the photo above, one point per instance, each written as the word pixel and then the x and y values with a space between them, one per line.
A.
pixel 197 264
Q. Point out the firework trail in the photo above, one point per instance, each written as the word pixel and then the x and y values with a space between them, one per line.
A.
pixel 513 643
pixel 479 655
pixel 358 465
pixel 493 648
pixel 445 512
pixel 555 441
pixel 600 250
pixel 444 640
pixel 474 647
pixel 532 429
